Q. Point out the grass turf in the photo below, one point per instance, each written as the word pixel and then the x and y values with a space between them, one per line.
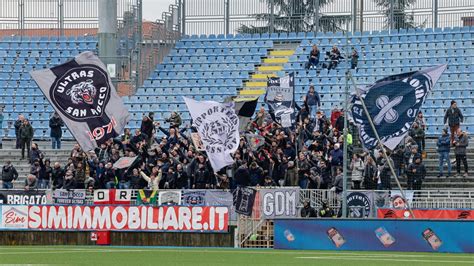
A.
pixel 84 255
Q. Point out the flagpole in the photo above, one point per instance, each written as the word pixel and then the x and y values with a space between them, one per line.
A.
pixel 346 107
pixel 369 118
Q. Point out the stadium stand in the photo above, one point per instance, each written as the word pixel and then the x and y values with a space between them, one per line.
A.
pixel 213 67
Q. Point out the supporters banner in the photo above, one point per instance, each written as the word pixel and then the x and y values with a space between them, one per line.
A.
pixel 435 214
pixel 218 127
pixel 279 202
pixel 397 201
pixel 194 197
pixel 359 204
pixel 28 197
pixel 280 99
pixel 82 93
pixel 112 196
pixel 221 198
pixel 209 197
pixel 169 197
pixel 71 197
pixel 115 218
pixel 393 104
pixel 147 197
pixel 244 199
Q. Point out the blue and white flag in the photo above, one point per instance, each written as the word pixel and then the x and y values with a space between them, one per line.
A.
pixel 393 104
pixel 280 99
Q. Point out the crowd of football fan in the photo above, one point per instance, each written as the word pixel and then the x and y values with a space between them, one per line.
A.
pixel 309 155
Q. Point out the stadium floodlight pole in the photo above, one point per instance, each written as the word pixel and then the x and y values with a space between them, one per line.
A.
pixel 435 13
pixel 392 169
pixel 316 16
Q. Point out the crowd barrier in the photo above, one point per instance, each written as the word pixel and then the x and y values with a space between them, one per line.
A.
pixel 375 235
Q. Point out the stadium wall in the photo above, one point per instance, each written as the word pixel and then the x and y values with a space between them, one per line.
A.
pixel 119 238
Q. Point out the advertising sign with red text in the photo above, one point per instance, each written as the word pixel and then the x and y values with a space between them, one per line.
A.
pixel 116 218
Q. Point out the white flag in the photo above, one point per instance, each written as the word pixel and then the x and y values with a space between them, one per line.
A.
pixel 218 126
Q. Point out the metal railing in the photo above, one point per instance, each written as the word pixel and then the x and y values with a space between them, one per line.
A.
pixel 53 17
pixel 268 16
pixel 422 199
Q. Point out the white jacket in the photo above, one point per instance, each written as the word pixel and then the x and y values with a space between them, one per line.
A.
pixel 357 170
pixel 154 183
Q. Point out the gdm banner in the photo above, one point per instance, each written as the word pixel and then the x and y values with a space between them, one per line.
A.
pixel 279 202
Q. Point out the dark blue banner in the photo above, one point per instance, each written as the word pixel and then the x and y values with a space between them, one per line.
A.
pixel 375 235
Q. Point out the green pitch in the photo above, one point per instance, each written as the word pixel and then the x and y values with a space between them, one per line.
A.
pixel 82 255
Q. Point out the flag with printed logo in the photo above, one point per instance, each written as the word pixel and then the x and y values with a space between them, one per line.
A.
pixel 83 95
pixel 393 104
pixel 280 99
pixel 218 126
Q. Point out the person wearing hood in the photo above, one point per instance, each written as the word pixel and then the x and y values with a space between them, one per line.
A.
pixel 325 211
pixel 417 171
pixel 307 211
pixel 147 127
pixel 9 174
pixel 55 124
pixel 461 141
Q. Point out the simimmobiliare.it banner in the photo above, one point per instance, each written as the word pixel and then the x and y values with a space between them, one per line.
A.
pixel 115 218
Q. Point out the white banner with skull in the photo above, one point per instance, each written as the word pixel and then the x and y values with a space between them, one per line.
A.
pixel 82 93
pixel 218 126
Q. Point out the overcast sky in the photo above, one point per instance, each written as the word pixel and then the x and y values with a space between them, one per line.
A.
pixel 152 9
